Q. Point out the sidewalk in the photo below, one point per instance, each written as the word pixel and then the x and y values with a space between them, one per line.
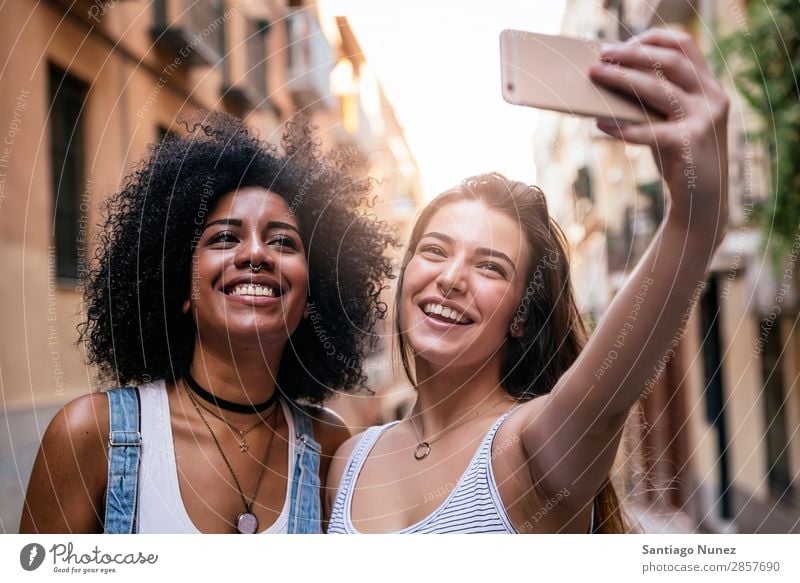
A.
pixel 654 520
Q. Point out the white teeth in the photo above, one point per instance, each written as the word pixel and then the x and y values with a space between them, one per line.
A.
pixel 448 313
pixel 252 290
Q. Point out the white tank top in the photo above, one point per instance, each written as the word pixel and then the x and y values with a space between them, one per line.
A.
pixel 161 509
pixel 473 506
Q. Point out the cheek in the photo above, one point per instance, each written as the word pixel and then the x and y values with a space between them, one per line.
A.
pixel 295 272
pixel 203 270
pixel 500 302
pixel 417 274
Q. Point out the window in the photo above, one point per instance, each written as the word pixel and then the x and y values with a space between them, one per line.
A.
pixel 196 36
pixel 257 56
pixel 779 475
pixel 714 391
pixel 582 187
pixel 67 96
pixel 206 19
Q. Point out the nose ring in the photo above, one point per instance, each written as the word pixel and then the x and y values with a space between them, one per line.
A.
pixel 256 269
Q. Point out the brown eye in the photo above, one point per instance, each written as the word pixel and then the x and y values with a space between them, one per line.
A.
pixel 284 241
pixel 223 237
pixel 494 267
pixel 434 249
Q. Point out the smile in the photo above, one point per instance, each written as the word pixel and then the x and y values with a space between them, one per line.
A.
pixel 439 312
pixel 253 290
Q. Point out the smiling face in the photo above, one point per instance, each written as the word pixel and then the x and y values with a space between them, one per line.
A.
pixel 230 302
pixel 463 285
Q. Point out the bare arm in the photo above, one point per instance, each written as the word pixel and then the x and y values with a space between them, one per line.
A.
pixel 572 435
pixel 67 486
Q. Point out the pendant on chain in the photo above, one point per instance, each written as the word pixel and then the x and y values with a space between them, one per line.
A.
pixel 247 523
pixel 422 450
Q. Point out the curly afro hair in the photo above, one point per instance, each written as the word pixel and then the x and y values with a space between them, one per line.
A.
pixel 135 330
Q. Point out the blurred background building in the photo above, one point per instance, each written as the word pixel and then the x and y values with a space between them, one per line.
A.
pixel 715 445
pixel 87 86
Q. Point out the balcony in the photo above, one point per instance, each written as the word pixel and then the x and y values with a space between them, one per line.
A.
pixel 190 30
pixel 310 62
pixel 248 91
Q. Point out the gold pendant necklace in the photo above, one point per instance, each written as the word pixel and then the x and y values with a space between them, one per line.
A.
pixel 244 447
pixel 246 522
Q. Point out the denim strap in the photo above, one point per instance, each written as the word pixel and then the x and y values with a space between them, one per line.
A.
pixel 304 508
pixel 124 447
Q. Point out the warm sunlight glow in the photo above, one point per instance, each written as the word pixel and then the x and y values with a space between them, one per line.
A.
pixel 439 65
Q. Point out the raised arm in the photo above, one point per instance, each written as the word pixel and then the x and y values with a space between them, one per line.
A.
pixel 571 436
pixel 67 486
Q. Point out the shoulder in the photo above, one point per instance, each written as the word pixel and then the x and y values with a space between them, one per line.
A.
pixel 347 447
pixel 341 457
pixel 339 461
pixel 82 421
pixel 330 430
pixel 345 451
pixel 69 477
pixel 524 415
pixel 77 434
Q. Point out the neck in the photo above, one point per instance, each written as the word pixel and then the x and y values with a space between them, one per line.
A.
pixel 449 395
pixel 241 375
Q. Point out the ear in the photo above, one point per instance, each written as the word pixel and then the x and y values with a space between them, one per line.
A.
pixel 517 329
pixel 187 305
pixel 305 312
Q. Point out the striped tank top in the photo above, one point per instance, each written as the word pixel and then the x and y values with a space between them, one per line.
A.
pixel 473 506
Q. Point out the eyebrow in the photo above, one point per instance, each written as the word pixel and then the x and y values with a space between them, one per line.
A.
pixel 487 251
pixel 239 223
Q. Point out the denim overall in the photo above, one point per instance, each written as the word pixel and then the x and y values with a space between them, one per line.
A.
pixel 124 443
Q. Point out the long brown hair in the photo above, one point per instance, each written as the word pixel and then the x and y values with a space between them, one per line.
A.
pixel 551 333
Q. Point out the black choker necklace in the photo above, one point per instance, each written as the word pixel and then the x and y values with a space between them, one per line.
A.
pixel 228 405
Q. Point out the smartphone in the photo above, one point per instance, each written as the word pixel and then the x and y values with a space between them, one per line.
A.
pixel 552 72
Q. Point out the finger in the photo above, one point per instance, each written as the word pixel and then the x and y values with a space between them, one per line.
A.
pixel 677 40
pixel 677 67
pixel 653 91
pixel 647 134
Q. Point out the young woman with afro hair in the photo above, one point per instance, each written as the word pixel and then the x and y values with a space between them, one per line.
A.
pixel 220 261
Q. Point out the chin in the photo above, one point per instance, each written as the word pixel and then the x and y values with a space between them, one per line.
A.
pixel 259 332
pixel 442 356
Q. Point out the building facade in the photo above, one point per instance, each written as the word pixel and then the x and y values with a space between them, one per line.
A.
pixel 714 445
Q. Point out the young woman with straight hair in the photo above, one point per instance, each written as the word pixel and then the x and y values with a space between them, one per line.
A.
pixel 518 417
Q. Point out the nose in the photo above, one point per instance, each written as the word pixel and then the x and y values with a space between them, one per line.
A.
pixel 451 279
pixel 254 252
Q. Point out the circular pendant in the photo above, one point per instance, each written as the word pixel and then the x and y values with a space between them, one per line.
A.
pixel 247 523
pixel 422 451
